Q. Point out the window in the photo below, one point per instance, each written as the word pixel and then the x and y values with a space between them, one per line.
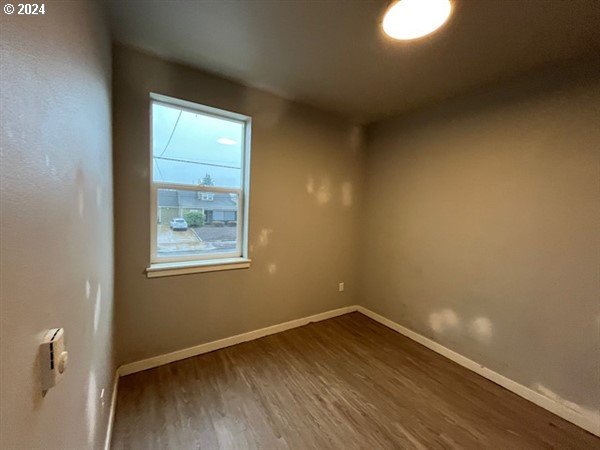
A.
pixel 199 187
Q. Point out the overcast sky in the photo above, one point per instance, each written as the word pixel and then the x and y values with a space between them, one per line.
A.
pixel 194 138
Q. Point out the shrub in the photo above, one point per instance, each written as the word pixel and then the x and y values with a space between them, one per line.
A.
pixel 218 223
pixel 194 218
pixel 232 223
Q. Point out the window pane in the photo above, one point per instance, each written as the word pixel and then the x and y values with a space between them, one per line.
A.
pixel 196 223
pixel 194 148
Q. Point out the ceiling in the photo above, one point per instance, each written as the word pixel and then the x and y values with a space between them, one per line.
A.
pixel 332 53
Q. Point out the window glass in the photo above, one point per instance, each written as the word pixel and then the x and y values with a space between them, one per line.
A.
pixel 192 147
pixel 198 182
pixel 188 225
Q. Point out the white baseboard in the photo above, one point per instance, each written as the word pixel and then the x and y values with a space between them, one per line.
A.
pixel 167 358
pixel 111 413
pixel 587 421
pixel 160 360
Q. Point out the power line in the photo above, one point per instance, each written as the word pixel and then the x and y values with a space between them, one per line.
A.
pixel 163 158
pixel 159 171
pixel 172 133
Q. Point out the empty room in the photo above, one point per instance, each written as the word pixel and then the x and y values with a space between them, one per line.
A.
pixel 299 224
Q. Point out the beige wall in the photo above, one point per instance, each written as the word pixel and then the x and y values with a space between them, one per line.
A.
pixel 478 230
pixel 304 210
pixel 57 228
pixel 482 229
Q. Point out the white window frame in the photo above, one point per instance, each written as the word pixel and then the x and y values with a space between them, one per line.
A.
pixel 178 265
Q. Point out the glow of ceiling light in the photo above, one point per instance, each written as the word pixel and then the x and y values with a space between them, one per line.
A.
pixel 412 19
pixel 226 141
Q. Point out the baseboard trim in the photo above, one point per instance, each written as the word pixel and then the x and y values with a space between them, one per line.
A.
pixel 589 422
pixel 167 358
pixel 111 413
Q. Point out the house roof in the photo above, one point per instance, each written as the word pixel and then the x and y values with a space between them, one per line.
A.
pixel 191 199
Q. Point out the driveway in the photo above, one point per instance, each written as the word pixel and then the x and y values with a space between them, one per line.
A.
pixel 177 241
pixel 208 233
pixel 206 239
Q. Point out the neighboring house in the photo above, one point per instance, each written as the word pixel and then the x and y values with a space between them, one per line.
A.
pixel 216 206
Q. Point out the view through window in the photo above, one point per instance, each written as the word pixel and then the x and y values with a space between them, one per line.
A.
pixel 198 181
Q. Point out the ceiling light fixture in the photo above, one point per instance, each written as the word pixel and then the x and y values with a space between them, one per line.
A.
pixel 226 141
pixel 412 19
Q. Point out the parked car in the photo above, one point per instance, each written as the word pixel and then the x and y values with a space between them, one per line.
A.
pixel 178 224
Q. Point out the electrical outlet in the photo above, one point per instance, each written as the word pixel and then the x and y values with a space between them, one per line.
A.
pixel 341 287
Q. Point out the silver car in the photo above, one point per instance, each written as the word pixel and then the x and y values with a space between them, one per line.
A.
pixel 178 224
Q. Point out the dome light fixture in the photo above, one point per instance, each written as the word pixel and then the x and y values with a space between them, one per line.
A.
pixel 412 19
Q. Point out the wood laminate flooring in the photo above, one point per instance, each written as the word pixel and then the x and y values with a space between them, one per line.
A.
pixel 344 383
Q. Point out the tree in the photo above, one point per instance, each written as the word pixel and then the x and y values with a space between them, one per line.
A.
pixel 207 180
pixel 194 218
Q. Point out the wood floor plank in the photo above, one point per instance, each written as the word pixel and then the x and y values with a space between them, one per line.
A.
pixel 347 382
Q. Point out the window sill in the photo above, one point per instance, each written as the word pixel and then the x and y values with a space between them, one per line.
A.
pixel 182 268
